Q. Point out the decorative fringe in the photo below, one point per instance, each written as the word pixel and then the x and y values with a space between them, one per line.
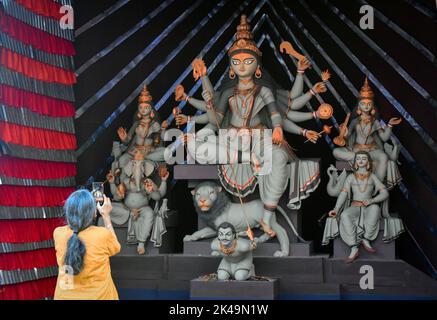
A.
pixel 35 37
pixel 64 62
pixel 21 196
pixel 35 69
pixel 17 247
pixel 42 258
pixel 41 104
pixel 25 117
pixel 46 8
pixel 49 25
pixel 20 213
pixel 24 231
pixel 36 138
pixel 18 80
pixel 38 289
pixel 18 151
pixel 33 169
pixel 8 277
pixel 64 182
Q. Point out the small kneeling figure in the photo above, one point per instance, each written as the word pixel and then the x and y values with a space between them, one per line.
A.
pixel 237 262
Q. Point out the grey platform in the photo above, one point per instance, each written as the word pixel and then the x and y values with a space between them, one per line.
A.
pixel 315 277
pixel 247 290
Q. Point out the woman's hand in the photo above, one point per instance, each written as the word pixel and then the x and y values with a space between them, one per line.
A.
pixel 278 135
pixel 394 121
pixel 367 202
pixel 122 134
pixel 303 64
pixel 106 208
pixel 207 96
pixel 312 136
pixel 319 87
pixel 332 214
pixel 181 119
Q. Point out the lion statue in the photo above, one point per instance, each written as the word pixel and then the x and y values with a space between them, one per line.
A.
pixel 214 207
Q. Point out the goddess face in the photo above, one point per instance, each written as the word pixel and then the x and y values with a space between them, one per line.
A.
pixel 365 105
pixel 226 236
pixel 361 160
pixel 244 64
pixel 144 109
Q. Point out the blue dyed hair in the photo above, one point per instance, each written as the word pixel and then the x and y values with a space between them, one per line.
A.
pixel 79 210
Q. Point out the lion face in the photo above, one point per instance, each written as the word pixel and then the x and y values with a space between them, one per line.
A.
pixel 205 196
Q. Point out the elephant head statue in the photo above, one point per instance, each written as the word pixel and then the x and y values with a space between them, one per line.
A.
pixel 138 170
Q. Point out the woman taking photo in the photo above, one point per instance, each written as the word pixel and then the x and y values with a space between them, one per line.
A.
pixel 83 250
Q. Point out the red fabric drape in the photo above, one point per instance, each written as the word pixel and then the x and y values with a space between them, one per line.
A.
pixel 44 105
pixel 31 290
pixel 47 8
pixel 35 37
pixel 23 196
pixel 41 258
pixel 35 69
pixel 36 137
pixel 35 169
pixel 23 231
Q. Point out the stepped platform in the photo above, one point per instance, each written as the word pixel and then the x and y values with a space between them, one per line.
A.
pixel 169 276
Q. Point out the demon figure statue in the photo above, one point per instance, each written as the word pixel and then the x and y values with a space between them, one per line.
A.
pixel 237 262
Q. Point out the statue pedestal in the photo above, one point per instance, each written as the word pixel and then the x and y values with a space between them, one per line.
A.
pixel 232 289
pixel 266 249
pixel 168 239
pixel 384 251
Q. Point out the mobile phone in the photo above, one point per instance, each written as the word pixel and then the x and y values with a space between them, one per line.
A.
pixel 98 192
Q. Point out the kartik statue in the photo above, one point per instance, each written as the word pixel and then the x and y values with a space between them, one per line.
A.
pixel 362 202
pixel 365 133
pixel 248 100
pixel 237 262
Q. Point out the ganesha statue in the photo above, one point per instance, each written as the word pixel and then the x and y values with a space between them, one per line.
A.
pixel 249 102
pixel 132 200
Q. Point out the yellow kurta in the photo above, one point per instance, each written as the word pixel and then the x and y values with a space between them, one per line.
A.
pixel 94 282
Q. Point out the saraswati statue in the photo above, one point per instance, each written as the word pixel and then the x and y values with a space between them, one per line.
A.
pixel 250 101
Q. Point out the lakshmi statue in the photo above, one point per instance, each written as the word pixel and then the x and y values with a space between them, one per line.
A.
pixel 361 202
pixel 365 133
pixel 145 135
pixel 248 100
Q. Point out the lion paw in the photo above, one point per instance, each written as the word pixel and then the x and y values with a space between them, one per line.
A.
pixel 189 238
pixel 280 254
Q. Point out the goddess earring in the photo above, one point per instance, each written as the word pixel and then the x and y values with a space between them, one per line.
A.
pixel 258 73
pixel 355 167
pixel 373 112
pixel 368 166
pixel 231 74
pixel 359 111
